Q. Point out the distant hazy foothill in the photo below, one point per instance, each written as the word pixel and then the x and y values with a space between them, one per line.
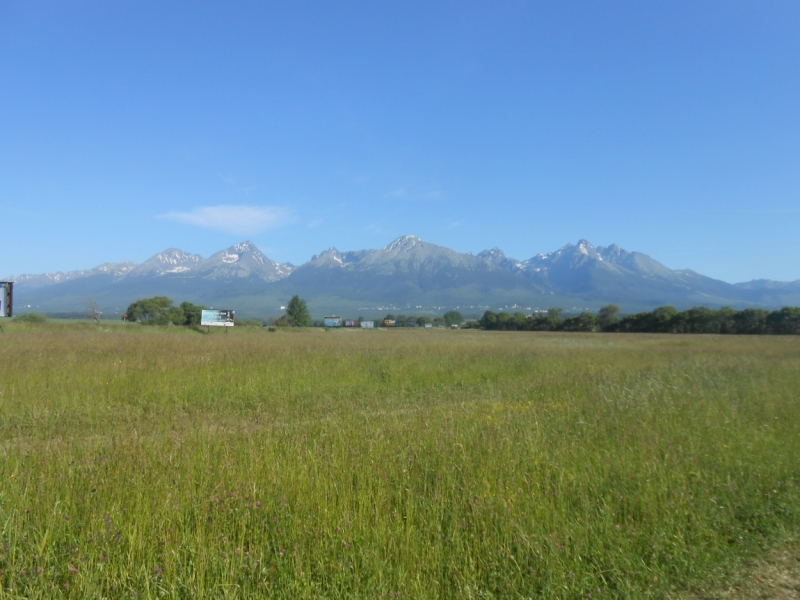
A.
pixel 409 272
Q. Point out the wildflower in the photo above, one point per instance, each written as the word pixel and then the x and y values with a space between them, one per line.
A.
pixel 159 570
pixel 72 569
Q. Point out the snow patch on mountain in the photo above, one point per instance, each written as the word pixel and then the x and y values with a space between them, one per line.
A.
pixel 402 244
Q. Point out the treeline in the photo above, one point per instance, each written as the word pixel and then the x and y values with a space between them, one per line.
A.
pixel 161 310
pixel 451 317
pixel 665 319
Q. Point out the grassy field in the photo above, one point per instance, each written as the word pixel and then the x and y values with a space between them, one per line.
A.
pixel 145 462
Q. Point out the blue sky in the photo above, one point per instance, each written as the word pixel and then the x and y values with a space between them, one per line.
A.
pixel 671 128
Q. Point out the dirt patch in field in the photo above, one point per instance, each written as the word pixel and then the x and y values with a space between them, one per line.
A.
pixel 775 577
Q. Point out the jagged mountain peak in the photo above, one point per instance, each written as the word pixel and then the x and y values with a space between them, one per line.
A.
pixel 332 251
pixel 493 253
pixel 331 257
pixel 499 258
pixel 115 268
pixel 241 261
pixel 404 242
pixel 243 247
pixel 171 252
pixel 613 253
pixel 244 251
pixel 570 252
pixel 406 270
pixel 171 260
pixel 35 281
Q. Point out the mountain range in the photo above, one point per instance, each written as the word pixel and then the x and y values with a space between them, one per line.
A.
pixel 409 274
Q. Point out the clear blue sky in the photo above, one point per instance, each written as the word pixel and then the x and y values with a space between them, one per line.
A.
pixel 672 128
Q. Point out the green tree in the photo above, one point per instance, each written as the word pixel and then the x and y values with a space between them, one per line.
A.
pixel 520 321
pixel 554 319
pixel 157 310
pixel 751 320
pixel 662 318
pixel 453 317
pixel 191 313
pixel 297 312
pixel 784 321
pixel 608 317
pixel 505 321
pixel 489 320
pixel 585 321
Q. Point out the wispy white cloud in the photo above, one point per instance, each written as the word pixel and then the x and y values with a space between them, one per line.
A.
pixel 244 220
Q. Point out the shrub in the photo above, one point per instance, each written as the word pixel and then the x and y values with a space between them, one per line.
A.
pixel 250 323
pixel 31 317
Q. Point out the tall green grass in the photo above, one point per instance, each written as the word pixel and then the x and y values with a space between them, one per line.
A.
pixel 145 462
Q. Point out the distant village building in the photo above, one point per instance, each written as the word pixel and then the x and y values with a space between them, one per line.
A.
pixel 367 324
